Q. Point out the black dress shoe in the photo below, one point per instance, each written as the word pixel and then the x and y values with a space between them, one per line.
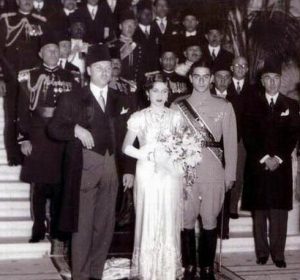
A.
pixel 189 272
pixel 234 216
pixel 36 239
pixel 280 264
pixel 262 260
pixel 207 273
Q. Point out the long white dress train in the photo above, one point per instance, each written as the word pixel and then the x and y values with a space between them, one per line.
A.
pixel 158 203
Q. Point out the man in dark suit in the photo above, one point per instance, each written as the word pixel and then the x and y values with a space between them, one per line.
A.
pixel 41 88
pixel 162 25
pixel 97 18
pixel 86 120
pixel 270 133
pixel 45 8
pixel 213 52
pixel 61 19
pixel 146 37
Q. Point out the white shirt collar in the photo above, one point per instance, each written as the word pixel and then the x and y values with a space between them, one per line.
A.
pixel 273 96
pixel 144 27
pixel 92 8
pixel 38 5
pixel 96 91
pixel 221 94
pixel 188 34
pixel 68 12
pixel 241 82
pixel 159 20
pixel 216 49
pixel 112 4
pixel 23 13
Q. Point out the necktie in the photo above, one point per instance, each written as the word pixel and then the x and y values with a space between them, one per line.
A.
pixel 272 104
pixel 213 54
pixel 101 101
pixel 146 32
pixel 93 13
pixel 162 27
pixel 238 87
pixel 61 64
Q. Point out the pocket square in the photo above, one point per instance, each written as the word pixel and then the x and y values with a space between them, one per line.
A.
pixel 285 113
pixel 124 111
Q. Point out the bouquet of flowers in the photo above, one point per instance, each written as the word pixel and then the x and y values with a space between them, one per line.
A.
pixel 184 149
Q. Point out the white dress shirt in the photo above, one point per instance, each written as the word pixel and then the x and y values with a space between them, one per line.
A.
pixel 38 5
pixel 160 22
pixel 68 12
pixel 96 91
pixel 92 10
pixel 189 34
pixel 241 83
pixel 221 94
pixel 215 49
pixel 145 28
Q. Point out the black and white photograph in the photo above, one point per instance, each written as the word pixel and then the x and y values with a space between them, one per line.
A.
pixel 149 139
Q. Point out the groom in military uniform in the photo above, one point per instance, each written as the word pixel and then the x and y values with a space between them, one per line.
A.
pixel 213 118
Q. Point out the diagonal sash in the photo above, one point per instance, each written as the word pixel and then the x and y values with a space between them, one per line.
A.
pixel 199 126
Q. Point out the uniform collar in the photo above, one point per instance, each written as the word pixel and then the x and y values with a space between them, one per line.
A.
pixel 50 69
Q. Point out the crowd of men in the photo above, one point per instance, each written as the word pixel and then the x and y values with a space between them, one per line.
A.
pixel 50 50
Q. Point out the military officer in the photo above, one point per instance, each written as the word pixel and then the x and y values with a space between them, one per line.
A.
pixel 178 85
pixel 20 34
pixel 41 88
pixel 213 118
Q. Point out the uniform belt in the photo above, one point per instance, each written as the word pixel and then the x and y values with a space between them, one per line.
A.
pixel 45 112
pixel 212 144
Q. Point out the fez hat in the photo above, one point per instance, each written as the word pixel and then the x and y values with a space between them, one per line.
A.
pixel 63 36
pixel 48 38
pixel 272 65
pixel 189 12
pixel 223 66
pixel 169 44
pixel 214 25
pixel 97 53
pixel 191 41
pixel 128 14
pixel 114 52
pixel 144 4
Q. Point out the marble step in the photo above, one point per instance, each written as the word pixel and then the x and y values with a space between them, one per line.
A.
pixel 244 242
pixel 3 158
pixel 15 227
pixel 14 189
pixel 9 173
pixel 19 248
pixel 243 224
pixel 14 208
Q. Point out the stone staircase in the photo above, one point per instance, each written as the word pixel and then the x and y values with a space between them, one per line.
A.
pixel 15 218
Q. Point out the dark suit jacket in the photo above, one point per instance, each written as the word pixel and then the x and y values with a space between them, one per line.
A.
pixel 171 29
pixel 77 108
pixel 223 58
pixel 95 29
pixel 150 47
pixel 274 134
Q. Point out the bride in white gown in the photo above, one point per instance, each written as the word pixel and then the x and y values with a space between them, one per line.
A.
pixel 158 190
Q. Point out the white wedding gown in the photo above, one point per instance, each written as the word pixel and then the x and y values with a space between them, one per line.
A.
pixel 158 203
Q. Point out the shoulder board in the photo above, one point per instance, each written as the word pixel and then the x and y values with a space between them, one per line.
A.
pixel 220 98
pixel 24 75
pixel 180 98
pixel 41 18
pixel 6 15
pixel 148 74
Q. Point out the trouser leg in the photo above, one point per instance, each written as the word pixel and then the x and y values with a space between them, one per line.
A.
pixel 260 231
pixel 223 230
pixel 39 198
pixel 277 233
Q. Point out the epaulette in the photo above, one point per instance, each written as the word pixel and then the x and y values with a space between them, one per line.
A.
pixel 6 15
pixel 24 75
pixel 149 74
pixel 41 18
pixel 180 98
pixel 219 97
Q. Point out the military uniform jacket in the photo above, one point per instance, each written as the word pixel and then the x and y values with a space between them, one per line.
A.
pixel 178 85
pixel 269 133
pixel 20 41
pixel 219 116
pixel 41 89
